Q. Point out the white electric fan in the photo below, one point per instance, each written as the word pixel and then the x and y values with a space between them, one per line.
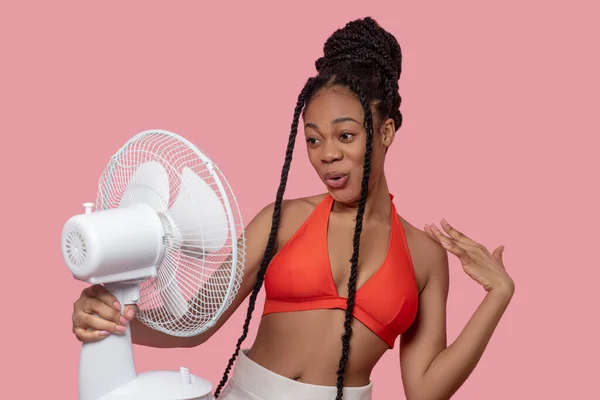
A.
pixel 166 235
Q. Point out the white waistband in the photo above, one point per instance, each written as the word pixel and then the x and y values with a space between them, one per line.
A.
pixel 250 380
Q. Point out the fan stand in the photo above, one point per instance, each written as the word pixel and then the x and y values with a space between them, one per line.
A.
pixel 107 370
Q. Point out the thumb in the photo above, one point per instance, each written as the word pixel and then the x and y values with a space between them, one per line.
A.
pixel 130 311
pixel 497 254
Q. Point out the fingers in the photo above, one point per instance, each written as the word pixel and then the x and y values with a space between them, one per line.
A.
pixel 96 323
pixel 445 241
pixel 497 254
pixel 130 311
pixel 100 292
pixel 456 235
pixel 87 336
pixel 97 314
pixel 96 306
pixel 438 236
pixel 461 240
pixel 463 247
pixel 454 247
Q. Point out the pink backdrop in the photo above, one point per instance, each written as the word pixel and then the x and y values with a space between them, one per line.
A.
pixel 500 101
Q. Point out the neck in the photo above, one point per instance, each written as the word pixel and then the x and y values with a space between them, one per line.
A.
pixel 378 202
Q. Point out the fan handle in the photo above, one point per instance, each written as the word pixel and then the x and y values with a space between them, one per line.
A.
pixel 108 364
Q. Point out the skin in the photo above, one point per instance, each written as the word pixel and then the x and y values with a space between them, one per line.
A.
pixel 306 345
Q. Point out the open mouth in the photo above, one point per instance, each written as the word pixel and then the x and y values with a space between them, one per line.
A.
pixel 335 179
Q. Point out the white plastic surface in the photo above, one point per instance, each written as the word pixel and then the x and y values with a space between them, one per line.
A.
pixel 199 214
pixel 88 207
pixel 123 243
pixel 149 185
pixel 107 364
pixel 200 224
pixel 107 370
pixel 163 385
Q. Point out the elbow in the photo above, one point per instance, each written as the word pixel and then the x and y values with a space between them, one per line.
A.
pixel 413 396
pixel 417 396
pixel 413 393
pixel 415 389
pixel 424 395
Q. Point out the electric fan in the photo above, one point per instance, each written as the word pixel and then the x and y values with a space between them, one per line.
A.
pixel 166 235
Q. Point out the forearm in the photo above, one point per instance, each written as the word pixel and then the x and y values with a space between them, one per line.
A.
pixel 451 367
pixel 145 336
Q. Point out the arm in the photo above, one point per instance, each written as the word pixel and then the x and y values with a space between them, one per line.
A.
pixel 431 369
pixel 256 234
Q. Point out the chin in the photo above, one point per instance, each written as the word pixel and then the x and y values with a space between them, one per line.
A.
pixel 347 195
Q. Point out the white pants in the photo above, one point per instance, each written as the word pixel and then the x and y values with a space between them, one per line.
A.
pixel 251 381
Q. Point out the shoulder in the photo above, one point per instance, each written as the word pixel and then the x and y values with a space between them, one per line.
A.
pixel 292 215
pixel 430 259
pixel 291 207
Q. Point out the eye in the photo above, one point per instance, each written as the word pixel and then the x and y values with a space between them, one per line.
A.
pixel 346 136
pixel 311 141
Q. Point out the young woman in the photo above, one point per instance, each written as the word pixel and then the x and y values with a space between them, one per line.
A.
pixel 306 252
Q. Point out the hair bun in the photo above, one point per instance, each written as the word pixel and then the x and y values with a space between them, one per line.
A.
pixel 362 41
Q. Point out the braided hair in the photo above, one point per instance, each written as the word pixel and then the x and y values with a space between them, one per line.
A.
pixel 366 59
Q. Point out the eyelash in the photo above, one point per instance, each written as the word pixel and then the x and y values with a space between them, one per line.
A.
pixel 342 134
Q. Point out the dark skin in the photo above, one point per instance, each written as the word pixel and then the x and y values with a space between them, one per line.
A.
pixel 305 345
pixel 308 341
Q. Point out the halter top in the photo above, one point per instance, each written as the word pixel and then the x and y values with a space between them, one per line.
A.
pixel 299 278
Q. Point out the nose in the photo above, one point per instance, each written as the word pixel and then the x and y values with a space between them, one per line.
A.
pixel 331 153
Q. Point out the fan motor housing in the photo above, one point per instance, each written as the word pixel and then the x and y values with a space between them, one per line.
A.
pixel 121 244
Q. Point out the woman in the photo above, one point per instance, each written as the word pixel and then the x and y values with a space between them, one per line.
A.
pixel 317 286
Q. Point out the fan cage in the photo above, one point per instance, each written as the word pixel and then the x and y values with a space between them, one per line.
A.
pixel 208 281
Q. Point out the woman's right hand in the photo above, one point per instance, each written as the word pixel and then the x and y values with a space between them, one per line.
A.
pixel 97 314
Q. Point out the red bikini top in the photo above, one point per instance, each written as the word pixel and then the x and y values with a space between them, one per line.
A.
pixel 299 278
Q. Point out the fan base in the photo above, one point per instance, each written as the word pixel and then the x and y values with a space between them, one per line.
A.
pixel 163 385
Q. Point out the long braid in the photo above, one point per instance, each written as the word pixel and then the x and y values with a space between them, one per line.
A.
pixel 268 255
pixel 366 59
pixel 368 123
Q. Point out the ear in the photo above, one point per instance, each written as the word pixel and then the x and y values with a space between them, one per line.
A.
pixel 387 132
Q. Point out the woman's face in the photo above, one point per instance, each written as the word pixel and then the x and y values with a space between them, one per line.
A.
pixel 335 140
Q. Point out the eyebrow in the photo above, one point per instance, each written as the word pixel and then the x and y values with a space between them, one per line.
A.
pixel 335 121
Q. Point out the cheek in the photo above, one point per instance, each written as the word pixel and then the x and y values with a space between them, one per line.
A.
pixel 355 154
pixel 313 157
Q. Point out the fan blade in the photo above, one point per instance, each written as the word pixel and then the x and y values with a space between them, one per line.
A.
pixel 199 215
pixel 149 184
pixel 171 295
pixel 199 226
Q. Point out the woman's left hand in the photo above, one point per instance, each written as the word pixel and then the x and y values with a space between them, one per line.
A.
pixel 485 268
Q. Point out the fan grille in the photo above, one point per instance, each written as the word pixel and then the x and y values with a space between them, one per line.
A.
pixel 207 281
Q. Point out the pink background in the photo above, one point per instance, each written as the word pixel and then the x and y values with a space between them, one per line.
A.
pixel 500 101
